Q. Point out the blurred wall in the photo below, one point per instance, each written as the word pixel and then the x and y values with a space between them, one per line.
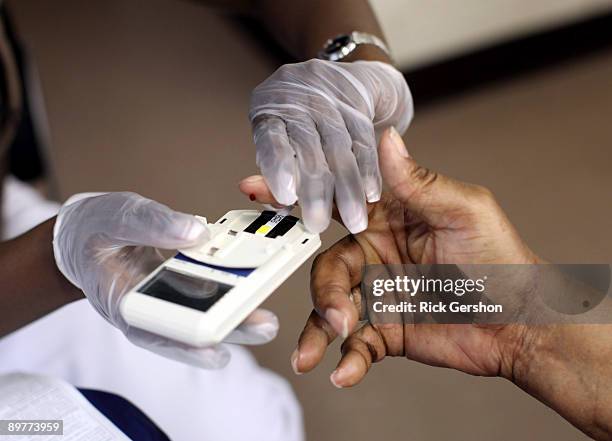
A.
pixel 425 31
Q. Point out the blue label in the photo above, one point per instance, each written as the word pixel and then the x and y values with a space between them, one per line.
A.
pixel 242 272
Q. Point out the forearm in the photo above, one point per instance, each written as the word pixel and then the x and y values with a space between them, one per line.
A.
pixel 303 26
pixel 32 286
pixel 561 354
pixel 568 368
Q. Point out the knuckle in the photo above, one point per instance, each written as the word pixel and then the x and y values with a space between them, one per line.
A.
pixel 314 65
pixel 375 354
pixel 367 350
pixel 318 261
pixel 321 262
pixel 130 199
pixel 419 180
pixel 483 195
pixel 424 176
pixel 333 289
pixel 126 195
pixel 284 72
pixel 353 343
pixel 260 123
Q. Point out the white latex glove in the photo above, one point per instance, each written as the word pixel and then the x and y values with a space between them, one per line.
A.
pixel 316 127
pixel 106 243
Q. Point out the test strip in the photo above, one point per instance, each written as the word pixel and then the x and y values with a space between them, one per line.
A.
pixel 261 220
pixel 271 224
pixel 281 227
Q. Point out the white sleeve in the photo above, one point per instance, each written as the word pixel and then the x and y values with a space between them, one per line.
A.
pixel 23 208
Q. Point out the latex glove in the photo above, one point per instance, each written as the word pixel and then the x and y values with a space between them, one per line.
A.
pixel 316 126
pixel 106 243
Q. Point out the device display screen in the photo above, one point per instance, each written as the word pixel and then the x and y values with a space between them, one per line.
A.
pixel 192 292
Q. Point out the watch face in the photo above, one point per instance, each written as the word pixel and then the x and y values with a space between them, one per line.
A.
pixel 337 44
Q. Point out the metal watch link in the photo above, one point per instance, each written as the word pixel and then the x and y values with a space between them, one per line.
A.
pixel 340 47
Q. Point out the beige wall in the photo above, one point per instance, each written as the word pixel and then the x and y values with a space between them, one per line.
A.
pixel 422 31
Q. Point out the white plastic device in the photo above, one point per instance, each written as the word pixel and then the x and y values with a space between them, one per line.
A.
pixel 201 294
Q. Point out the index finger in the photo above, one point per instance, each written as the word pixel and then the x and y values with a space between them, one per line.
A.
pixel 258 190
pixel 276 157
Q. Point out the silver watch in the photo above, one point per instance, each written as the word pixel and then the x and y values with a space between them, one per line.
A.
pixel 341 46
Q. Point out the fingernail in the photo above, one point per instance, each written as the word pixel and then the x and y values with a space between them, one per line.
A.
pixel 336 377
pixel 252 197
pixel 252 179
pixel 316 216
pixel 338 321
pixel 398 143
pixel 294 361
pixel 264 332
pixel 359 223
pixel 197 230
pixel 372 186
pixel 211 358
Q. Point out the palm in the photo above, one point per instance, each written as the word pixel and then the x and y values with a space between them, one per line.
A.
pixel 396 236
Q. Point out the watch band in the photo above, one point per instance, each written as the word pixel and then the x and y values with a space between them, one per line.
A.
pixel 361 38
pixel 338 48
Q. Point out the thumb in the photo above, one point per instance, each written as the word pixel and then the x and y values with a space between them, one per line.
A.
pixel 130 219
pixel 427 194
pixel 258 328
pixel 211 357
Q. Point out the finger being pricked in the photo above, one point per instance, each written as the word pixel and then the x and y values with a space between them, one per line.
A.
pixel 257 189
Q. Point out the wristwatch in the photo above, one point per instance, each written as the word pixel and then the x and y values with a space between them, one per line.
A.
pixel 341 46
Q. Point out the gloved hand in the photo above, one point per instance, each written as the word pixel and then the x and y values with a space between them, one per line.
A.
pixel 106 243
pixel 316 126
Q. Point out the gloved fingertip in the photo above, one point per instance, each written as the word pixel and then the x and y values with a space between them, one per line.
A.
pixel 261 316
pixel 316 216
pixel 197 231
pixel 354 216
pixel 358 224
pixel 372 186
pixel 215 358
pixel 286 197
pixel 260 327
pixel 316 226
pixel 263 332
pixel 290 201
pixel 373 197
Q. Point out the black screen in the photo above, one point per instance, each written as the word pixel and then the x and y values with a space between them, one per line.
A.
pixel 193 292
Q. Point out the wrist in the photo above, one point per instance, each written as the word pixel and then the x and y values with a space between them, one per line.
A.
pixel 66 291
pixel 515 345
pixel 519 351
pixel 33 286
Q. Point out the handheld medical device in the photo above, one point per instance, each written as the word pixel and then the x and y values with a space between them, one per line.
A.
pixel 201 294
